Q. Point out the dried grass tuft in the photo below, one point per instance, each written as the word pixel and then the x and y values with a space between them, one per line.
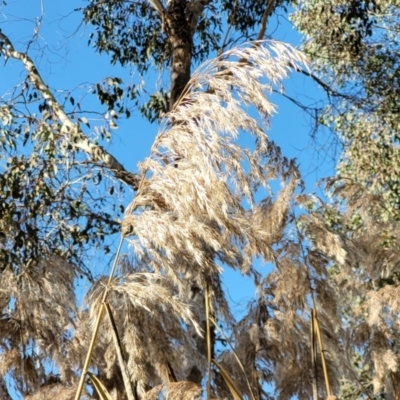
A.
pixel 195 204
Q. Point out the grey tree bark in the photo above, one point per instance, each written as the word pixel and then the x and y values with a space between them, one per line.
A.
pixel 178 29
pixel 96 153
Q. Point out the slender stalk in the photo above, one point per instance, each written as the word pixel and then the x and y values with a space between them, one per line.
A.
pixel 208 343
pixel 98 323
pixel 230 383
pixel 314 321
pixel 89 353
pixel 120 356
pixel 314 375
pixel 264 20
pixel 395 389
pixel 328 387
pixel 236 357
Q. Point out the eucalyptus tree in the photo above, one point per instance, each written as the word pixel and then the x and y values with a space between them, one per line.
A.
pixel 173 36
pixel 194 211
pixel 162 315
pixel 58 203
pixel 354 48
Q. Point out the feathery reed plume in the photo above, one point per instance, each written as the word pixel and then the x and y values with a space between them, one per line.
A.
pixel 195 205
pixel 149 317
pixel 40 304
pixel 355 262
pixel 195 208
pixel 59 392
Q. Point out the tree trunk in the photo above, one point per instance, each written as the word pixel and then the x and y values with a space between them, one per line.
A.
pixel 179 28
pixel 180 38
pixel 78 140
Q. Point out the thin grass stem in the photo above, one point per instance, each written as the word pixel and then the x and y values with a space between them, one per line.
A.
pixel 98 323
pixel 120 356
pixel 327 384
pixel 209 344
pixel 314 371
pixel 236 357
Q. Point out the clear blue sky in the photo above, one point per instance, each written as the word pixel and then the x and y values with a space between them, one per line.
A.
pixel 66 62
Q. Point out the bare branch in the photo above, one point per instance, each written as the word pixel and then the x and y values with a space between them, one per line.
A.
pixel 196 8
pixel 328 89
pixel 264 19
pixel 156 4
pixel 95 152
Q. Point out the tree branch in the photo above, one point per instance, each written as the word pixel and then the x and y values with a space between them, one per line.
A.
pixel 195 8
pixel 324 85
pixel 156 4
pixel 264 19
pixel 78 140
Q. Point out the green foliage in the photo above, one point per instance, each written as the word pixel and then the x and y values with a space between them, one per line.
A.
pixel 133 33
pixel 355 46
pixel 46 193
pixel 245 15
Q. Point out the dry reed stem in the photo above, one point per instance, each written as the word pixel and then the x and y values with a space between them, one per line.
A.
pixel 236 358
pixel 121 360
pixel 209 344
pixel 314 359
pixel 328 387
pixel 229 382
pixel 98 323
pixel 100 389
